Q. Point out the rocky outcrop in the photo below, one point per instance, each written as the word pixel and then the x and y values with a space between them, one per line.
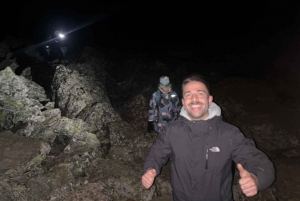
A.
pixel 79 97
pixel 135 114
pixel 20 101
pixel 78 128
pixel 14 152
pixel 74 145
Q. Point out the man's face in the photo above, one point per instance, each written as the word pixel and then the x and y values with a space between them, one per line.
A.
pixel 196 100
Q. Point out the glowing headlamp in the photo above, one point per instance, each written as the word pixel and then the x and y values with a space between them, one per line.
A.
pixel 61 35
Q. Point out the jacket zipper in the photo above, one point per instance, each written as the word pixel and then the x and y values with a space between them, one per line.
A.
pixel 206 158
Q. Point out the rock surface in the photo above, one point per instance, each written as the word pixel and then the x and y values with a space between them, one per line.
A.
pixel 84 136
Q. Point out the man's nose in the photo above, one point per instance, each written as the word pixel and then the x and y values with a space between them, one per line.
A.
pixel 194 97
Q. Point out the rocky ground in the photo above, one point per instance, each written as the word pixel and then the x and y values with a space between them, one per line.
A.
pixel 78 130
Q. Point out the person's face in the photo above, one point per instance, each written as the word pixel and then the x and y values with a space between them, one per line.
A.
pixel 165 89
pixel 196 100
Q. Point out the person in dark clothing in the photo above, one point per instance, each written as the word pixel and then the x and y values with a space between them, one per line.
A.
pixel 202 147
pixel 163 107
pixel 56 47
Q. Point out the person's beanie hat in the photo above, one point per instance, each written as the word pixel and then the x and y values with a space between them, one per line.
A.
pixel 164 82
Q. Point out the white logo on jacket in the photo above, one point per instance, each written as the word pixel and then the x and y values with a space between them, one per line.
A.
pixel 215 149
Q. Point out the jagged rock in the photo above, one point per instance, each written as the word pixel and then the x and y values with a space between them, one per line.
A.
pixel 8 62
pixel 92 64
pixel 122 153
pixel 18 111
pixel 78 97
pixel 93 70
pixel 121 133
pixel 136 113
pixel 27 73
pixel 50 105
pixel 11 84
pixel 43 185
pixel 82 142
pixel 91 192
pixel 35 91
pixel 59 194
pixel 44 130
pixel 99 114
pixel 13 192
pixel 19 87
pixel 125 180
pixel 127 144
pixel 71 134
pixel 70 127
pixel 19 154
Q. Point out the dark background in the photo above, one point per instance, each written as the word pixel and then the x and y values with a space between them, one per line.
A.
pixel 183 24
pixel 209 29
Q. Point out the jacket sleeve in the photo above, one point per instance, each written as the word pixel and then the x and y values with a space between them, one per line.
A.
pixel 152 111
pixel 253 160
pixel 158 154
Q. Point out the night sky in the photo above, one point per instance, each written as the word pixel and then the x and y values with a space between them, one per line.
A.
pixel 155 25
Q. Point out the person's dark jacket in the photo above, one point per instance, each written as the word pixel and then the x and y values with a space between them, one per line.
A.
pixel 202 153
pixel 163 108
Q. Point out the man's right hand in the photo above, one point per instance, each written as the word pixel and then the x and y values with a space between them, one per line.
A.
pixel 148 178
pixel 248 182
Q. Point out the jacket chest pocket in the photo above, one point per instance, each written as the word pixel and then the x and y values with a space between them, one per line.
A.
pixel 217 155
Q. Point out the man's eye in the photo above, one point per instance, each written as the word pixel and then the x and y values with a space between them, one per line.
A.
pixel 187 95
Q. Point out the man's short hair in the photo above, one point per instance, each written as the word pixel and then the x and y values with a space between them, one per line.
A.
pixel 197 78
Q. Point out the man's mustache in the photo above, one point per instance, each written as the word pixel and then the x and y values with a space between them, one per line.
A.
pixel 195 103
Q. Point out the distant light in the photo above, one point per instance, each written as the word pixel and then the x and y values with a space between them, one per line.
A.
pixel 61 35
pixel 47 46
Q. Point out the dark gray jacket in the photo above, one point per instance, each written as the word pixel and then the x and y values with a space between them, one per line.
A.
pixel 202 153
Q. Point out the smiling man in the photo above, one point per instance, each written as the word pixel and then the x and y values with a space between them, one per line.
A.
pixel 202 147
pixel 196 100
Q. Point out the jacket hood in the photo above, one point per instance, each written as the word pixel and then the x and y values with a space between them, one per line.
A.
pixel 213 110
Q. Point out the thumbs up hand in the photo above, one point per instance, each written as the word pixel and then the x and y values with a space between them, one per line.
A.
pixel 148 178
pixel 248 182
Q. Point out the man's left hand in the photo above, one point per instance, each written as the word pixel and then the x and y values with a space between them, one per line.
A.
pixel 247 182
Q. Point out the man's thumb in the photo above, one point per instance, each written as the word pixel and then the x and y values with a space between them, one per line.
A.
pixel 152 172
pixel 243 172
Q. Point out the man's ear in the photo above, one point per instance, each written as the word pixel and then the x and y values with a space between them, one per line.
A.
pixel 210 99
